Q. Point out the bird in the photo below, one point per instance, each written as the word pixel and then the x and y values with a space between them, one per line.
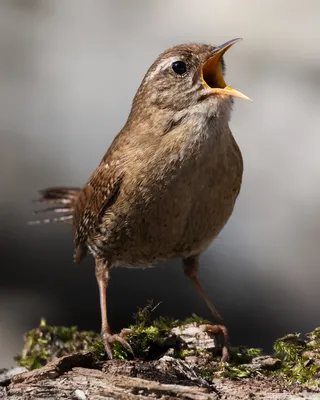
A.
pixel 169 181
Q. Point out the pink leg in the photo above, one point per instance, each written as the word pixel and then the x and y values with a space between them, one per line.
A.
pixel 102 275
pixel 190 266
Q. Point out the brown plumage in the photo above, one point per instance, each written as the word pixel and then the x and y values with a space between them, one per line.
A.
pixel 170 179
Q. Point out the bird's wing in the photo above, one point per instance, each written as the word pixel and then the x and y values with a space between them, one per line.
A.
pixel 100 193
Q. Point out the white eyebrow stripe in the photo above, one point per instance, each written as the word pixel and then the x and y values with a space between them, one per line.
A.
pixel 163 65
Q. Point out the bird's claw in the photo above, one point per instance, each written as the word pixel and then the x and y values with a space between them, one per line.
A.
pixel 109 338
pixel 219 330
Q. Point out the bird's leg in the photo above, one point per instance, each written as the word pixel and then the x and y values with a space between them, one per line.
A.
pixel 103 275
pixel 190 266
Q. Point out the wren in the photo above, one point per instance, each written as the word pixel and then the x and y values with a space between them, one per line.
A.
pixel 169 181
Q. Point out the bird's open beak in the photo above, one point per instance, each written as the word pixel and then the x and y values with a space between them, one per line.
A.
pixel 211 73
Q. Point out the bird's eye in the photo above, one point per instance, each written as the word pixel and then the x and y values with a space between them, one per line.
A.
pixel 179 67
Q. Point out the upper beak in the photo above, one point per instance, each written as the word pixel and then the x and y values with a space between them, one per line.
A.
pixel 211 74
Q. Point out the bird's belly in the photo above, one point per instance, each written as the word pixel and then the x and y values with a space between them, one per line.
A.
pixel 211 207
pixel 178 218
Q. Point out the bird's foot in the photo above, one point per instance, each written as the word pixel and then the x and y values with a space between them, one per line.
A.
pixel 219 330
pixel 109 338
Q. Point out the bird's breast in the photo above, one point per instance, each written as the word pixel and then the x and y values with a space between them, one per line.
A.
pixel 175 202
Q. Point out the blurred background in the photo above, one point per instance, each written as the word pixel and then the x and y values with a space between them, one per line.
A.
pixel 68 73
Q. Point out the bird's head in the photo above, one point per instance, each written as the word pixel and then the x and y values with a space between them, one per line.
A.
pixel 188 76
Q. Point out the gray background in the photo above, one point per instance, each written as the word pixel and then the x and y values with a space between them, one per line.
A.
pixel 68 72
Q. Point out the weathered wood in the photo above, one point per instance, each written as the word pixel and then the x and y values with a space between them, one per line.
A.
pixel 68 378
pixel 76 377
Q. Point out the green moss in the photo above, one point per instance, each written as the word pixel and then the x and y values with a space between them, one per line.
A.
pixel 147 338
pixel 148 334
pixel 184 353
pixel 237 372
pixel 315 335
pixel 194 319
pixel 300 361
pixel 119 352
pixel 143 316
pixel 300 358
pixel 99 353
pixel 238 366
pixel 98 350
pixel 243 355
pixel 227 371
pixel 165 324
pixel 208 373
pixel 46 342
pixel 290 348
pixel 142 338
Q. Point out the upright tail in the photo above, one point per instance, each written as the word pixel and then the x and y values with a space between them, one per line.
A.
pixel 61 201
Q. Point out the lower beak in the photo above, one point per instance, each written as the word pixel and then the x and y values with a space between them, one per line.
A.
pixel 211 73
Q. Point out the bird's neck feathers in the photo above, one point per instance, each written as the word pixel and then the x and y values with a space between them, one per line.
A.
pixel 208 117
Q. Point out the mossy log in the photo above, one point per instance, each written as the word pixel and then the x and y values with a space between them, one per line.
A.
pixel 173 360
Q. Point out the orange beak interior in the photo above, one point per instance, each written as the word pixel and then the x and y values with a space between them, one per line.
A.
pixel 211 73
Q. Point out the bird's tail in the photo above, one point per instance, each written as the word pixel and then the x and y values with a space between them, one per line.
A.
pixel 59 200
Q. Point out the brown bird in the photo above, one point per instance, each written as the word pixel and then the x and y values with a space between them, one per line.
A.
pixel 169 181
